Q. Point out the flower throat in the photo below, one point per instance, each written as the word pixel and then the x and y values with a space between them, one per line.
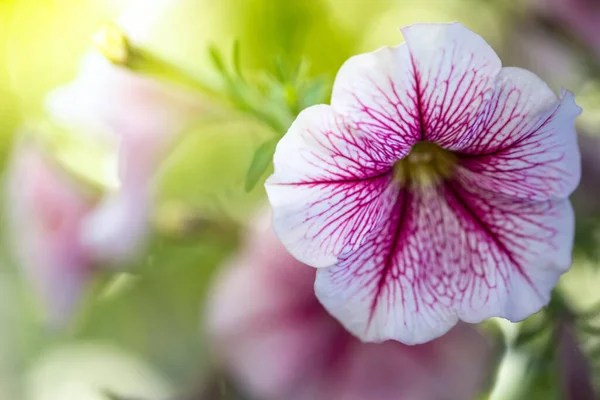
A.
pixel 426 164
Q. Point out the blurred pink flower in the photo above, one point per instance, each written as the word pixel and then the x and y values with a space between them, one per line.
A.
pixel 555 61
pixel 579 17
pixel 45 209
pixel 59 231
pixel 145 116
pixel 279 343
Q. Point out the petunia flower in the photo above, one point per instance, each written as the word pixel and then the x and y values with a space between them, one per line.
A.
pixel 46 208
pixel 145 117
pixel 433 189
pixel 275 339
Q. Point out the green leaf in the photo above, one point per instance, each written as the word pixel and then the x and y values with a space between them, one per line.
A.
pixel 300 72
pixel 237 64
pixel 315 92
pixel 260 163
pixel 217 59
pixel 281 73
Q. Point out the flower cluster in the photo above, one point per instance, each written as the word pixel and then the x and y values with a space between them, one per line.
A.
pixel 430 194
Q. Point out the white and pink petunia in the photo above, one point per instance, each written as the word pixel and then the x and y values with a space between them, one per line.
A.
pixel 433 189
pixel 277 342
pixel 145 116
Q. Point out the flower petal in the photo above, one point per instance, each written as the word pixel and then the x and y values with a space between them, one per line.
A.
pixel 46 209
pixel 430 88
pixel 117 229
pixel 146 117
pixel 517 251
pixel 527 147
pixel 104 99
pixel 331 187
pixel 445 368
pixel 377 92
pixel 380 291
pixel 454 71
pixel 447 253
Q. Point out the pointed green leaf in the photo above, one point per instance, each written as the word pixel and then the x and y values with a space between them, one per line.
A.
pixel 280 70
pixel 314 92
pixel 237 64
pixel 217 59
pixel 261 161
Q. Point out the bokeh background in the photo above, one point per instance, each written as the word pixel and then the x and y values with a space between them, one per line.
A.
pixel 139 330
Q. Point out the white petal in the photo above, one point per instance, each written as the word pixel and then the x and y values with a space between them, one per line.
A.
pixel 382 290
pixel 454 71
pixel 526 144
pixel 448 253
pixel 431 88
pixel 106 99
pixel 116 230
pixel 378 93
pixel 330 187
pixel 85 370
pixel 523 248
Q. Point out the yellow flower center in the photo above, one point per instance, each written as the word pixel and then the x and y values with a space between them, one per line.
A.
pixel 426 164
